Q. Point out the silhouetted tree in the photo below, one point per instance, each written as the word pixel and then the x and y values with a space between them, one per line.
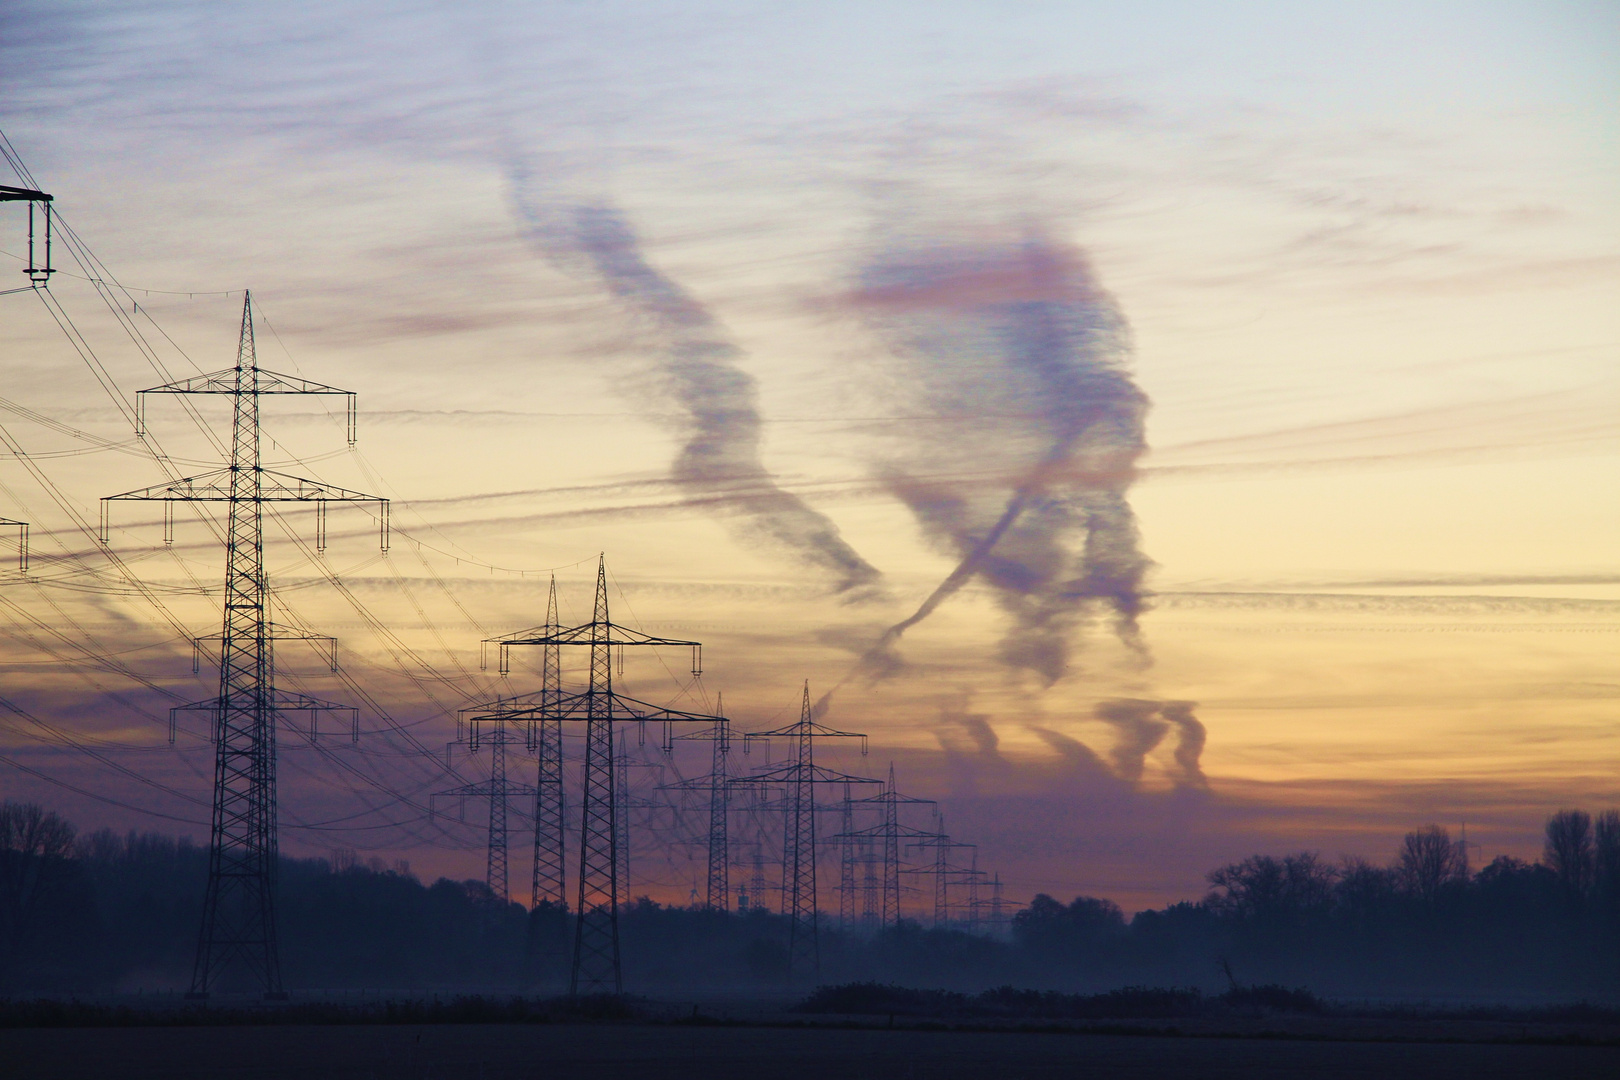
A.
pixel 1569 852
pixel 1606 863
pixel 1430 862
pixel 1364 891
pixel 34 849
pixel 1268 890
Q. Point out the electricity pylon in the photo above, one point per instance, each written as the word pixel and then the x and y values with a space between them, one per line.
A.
pixel 239 921
pixel 550 880
pixel 596 967
pixel 889 833
pixel 997 905
pixel 798 777
pixel 498 790
pixel 624 791
pixel 847 860
pixel 717 785
pixel 871 885
pixel 943 871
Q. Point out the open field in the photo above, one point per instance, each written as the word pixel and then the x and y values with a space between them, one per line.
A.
pixel 654 1052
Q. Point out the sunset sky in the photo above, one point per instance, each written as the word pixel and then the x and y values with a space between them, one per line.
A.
pixel 1361 259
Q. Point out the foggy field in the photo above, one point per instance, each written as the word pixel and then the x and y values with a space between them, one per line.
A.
pixel 498 1052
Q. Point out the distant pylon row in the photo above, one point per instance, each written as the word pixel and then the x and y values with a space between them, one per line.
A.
pixel 787 788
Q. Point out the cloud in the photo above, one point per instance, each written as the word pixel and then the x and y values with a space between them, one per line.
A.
pixel 1014 330
pixel 721 459
pixel 1139 731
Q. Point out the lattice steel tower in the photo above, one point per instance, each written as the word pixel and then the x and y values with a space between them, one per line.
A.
pixel 596 967
pixel 498 790
pixel 239 919
pixel 888 835
pixel 717 785
pixel 550 879
pixel 798 778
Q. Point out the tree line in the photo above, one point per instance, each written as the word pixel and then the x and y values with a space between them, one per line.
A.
pixel 119 912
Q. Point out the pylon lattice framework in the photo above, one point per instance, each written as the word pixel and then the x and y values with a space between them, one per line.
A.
pixel 239 920
pixel 943 871
pixel 596 966
pixel 889 834
pixel 549 884
pixel 498 790
pixel 717 785
pixel 798 777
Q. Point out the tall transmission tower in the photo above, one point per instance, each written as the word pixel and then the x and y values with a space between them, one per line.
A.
pixel 550 879
pixel 798 777
pixel 239 919
pixel 498 790
pixel 596 967
pixel 717 785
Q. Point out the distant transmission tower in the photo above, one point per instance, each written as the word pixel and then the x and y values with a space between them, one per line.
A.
pixel 888 834
pixel 498 790
pixel 717 785
pixel 848 860
pixel 756 882
pixel 550 884
pixel 798 777
pixel 944 872
pixel 596 966
pixel 239 920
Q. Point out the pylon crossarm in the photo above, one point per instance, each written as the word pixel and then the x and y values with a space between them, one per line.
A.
pixel 281 701
pixel 878 832
pixel 482 790
pixel 799 730
pixel 570 706
pixel 215 486
pixel 897 798
pixel 788 773
pixel 702 736
pixel 588 634
pixel 225 381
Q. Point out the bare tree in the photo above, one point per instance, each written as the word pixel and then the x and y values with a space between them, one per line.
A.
pixel 34 847
pixel 1606 858
pixel 1266 888
pixel 1569 851
pixel 1429 861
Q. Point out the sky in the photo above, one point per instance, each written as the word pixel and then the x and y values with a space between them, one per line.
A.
pixel 1278 340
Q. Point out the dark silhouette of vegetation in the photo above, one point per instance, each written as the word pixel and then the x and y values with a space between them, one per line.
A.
pixel 119 913
pixel 1127 1003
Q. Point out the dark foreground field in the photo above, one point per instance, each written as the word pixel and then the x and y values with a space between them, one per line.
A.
pixel 652 1052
